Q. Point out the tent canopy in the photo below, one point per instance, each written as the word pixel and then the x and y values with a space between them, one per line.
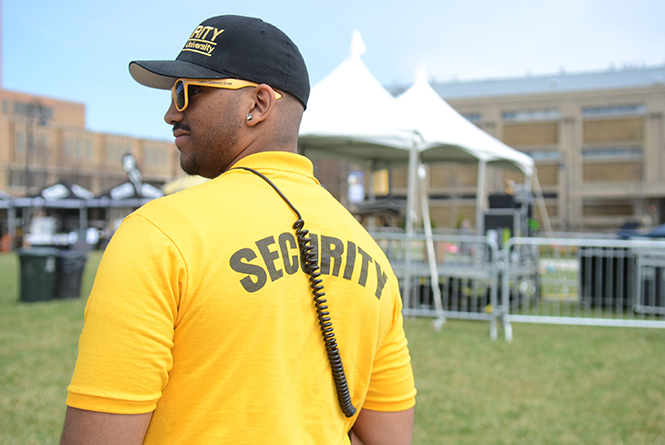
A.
pixel 351 116
pixel 126 195
pixel 5 200
pixel 447 136
pixel 62 195
pixel 127 190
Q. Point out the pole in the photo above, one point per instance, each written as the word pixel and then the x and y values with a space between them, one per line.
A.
pixel 541 203
pixel 11 216
pixel 371 193
pixel 431 255
pixel 36 116
pixel 28 148
pixel 480 199
pixel 410 220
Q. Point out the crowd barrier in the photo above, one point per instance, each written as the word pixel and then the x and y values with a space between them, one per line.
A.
pixel 597 282
pixel 445 276
pixel 601 282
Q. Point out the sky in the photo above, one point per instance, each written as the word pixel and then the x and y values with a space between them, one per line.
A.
pixel 79 50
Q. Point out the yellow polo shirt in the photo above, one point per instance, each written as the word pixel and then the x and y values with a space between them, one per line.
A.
pixel 201 312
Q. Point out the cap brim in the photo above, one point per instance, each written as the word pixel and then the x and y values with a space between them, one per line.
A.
pixel 162 74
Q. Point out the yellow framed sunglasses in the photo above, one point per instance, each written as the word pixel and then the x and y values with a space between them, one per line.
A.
pixel 181 98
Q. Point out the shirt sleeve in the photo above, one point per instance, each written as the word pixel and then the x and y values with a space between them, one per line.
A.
pixel 125 347
pixel 392 385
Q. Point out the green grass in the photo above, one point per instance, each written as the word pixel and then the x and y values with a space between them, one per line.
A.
pixel 551 385
pixel 37 353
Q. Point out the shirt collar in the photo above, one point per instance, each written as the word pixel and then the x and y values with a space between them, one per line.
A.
pixel 280 161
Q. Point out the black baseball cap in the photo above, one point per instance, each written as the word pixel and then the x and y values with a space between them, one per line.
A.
pixel 231 46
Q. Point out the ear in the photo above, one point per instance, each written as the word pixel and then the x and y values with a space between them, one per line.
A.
pixel 263 104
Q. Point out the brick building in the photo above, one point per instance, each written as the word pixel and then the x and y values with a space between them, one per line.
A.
pixel 598 140
pixel 44 140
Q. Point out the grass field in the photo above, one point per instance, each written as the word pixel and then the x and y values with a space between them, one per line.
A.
pixel 551 385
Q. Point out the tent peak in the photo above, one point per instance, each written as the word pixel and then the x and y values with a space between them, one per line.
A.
pixel 421 75
pixel 358 47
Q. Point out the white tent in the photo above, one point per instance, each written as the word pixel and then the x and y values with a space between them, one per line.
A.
pixel 448 136
pixel 351 116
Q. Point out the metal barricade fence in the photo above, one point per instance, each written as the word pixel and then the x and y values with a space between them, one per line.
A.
pixel 465 271
pixel 598 282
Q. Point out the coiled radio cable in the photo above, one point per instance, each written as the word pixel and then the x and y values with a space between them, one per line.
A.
pixel 311 268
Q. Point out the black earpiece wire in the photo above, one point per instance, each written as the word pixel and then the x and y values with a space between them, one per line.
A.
pixel 310 262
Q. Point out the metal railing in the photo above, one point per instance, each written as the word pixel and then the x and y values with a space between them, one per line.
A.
pixel 464 272
pixel 599 282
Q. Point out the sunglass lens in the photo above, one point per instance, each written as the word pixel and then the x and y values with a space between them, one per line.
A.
pixel 180 95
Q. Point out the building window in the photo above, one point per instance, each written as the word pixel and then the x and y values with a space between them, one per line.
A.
pixel 156 156
pixel 20 142
pixel 77 146
pixel 612 152
pixel 16 178
pixel 473 117
pixel 116 148
pixel 543 114
pixel 614 110
pixel 544 155
pixel 30 110
pixel 88 149
pixel 607 208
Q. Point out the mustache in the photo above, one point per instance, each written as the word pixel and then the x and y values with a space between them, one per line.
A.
pixel 180 126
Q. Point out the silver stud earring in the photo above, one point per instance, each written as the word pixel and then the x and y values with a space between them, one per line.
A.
pixel 249 117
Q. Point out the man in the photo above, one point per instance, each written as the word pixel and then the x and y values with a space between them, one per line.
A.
pixel 201 326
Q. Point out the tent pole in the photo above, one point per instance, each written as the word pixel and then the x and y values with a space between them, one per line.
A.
pixel 83 216
pixel 371 195
pixel 541 203
pixel 410 217
pixel 431 255
pixel 480 199
pixel 11 220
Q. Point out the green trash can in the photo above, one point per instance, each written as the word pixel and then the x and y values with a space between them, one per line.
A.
pixel 38 273
pixel 69 268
